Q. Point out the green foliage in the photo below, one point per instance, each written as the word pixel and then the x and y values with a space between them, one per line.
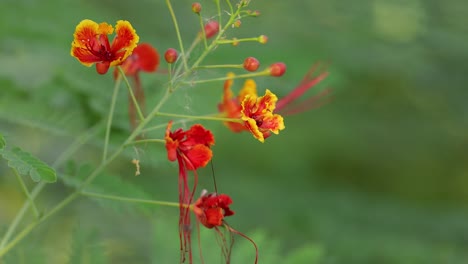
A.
pixel 395 130
pixel 165 248
pixel 27 164
pixel 107 183
pixel 308 253
pixel 2 142
pixel 28 252
pixel 87 248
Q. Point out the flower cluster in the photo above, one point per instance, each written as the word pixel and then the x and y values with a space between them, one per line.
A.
pixel 260 115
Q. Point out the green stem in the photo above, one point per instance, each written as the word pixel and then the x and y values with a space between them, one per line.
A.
pixel 218 8
pixel 195 42
pixel 179 38
pixel 143 141
pixel 32 225
pixel 132 200
pixel 19 216
pixel 38 188
pixel 132 95
pixel 109 119
pixel 169 73
pixel 78 143
pixel 218 37
pixel 230 41
pixel 203 31
pixel 219 66
pixel 180 121
pixel 26 192
pixel 265 72
pixel 212 118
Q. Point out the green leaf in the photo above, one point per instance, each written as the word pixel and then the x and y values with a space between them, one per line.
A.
pixel 2 142
pixel 26 164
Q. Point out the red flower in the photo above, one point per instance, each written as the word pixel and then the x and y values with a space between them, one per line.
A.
pixel 191 146
pixel 210 210
pixel 191 149
pixel 144 58
pixel 91 44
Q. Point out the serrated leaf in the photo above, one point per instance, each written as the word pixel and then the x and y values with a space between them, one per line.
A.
pixel 27 164
pixel 2 142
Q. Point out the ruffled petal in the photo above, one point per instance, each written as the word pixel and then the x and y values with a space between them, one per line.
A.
pixel 198 156
pixel 125 41
pixel 197 134
pixel 84 39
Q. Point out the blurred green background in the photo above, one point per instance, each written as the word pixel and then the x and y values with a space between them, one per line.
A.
pixel 379 175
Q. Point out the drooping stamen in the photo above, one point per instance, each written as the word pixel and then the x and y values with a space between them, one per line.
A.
pixel 246 237
pixel 307 83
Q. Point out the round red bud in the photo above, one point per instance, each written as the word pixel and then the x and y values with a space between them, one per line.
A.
pixel 277 69
pixel 196 8
pixel 263 39
pixel 171 55
pixel 211 29
pixel 251 64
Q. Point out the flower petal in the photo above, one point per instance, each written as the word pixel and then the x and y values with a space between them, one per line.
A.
pixel 197 134
pixel 250 88
pixel 125 41
pixel 171 144
pixel 198 156
pixel 258 115
pixel 84 39
pixel 147 57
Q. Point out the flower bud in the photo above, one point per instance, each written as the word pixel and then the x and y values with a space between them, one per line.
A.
pixel 211 29
pixel 235 42
pixel 196 8
pixel 263 39
pixel 255 13
pixel 251 64
pixel 237 23
pixel 277 69
pixel 171 55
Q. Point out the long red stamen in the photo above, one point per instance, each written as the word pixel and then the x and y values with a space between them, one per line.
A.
pixel 307 82
pixel 184 236
pixel 246 237
pixel 226 248
pixel 308 104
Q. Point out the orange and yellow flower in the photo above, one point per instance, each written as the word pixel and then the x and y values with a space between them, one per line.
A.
pixel 256 112
pixel 91 44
